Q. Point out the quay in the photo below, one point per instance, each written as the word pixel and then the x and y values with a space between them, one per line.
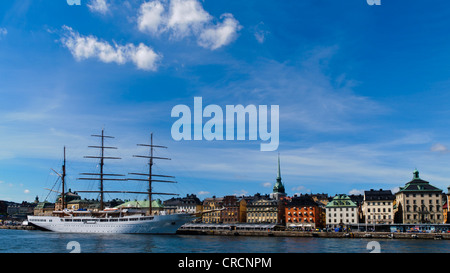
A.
pixel 280 233
pixel 271 231
pixel 21 227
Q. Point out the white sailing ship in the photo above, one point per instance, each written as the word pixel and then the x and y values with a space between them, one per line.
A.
pixel 114 220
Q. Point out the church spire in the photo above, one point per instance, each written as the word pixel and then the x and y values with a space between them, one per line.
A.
pixel 279 171
pixel 279 187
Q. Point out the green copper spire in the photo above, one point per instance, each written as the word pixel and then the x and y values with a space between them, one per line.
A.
pixel 278 188
pixel 416 174
pixel 279 171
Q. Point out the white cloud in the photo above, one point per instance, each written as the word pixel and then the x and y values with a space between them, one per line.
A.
pixel 183 18
pixel 26 191
pixel 186 16
pixel 355 192
pixel 240 193
pixel 203 193
pixel 3 32
pixel 260 33
pixel 85 47
pixel 267 185
pixel 221 34
pixel 150 17
pixel 395 190
pixel 438 147
pixel 299 188
pixel 99 6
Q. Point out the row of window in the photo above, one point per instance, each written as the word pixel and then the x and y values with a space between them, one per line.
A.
pixel 423 208
pixel 415 216
pixel 379 210
pixel 377 203
pixel 299 208
pixel 379 217
pixel 263 221
pixel 341 215
pixel 422 195
pixel 311 220
pixel 336 221
pixel 423 201
pixel 300 213
pixel 262 214
pixel 341 209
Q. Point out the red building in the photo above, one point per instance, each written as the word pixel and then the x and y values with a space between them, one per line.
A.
pixel 302 212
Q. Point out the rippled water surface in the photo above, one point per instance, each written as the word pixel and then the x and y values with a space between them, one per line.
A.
pixel 24 241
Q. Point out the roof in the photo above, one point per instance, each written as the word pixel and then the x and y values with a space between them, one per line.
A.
pixel 341 200
pixel 45 204
pixel 263 202
pixel 374 195
pixel 141 204
pixel 418 185
pixel 180 201
pixel 301 201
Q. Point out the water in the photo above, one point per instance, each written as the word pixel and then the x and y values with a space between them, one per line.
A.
pixel 25 241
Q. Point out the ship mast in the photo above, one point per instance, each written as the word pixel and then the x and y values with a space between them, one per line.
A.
pixel 63 180
pixel 101 176
pixel 149 176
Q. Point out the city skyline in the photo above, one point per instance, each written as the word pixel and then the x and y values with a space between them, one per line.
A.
pixel 361 89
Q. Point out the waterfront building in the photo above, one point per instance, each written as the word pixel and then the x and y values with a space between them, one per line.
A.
pixel 378 207
pixel 20 211
pixel 266 210
pixel 157 206
pixel 44 208
pixel 235 209
pixel 419 202
pixel 68 197
pixel 341 211
pixel 320 198
pixel 190 204
pixel 445 207
pixel 445 211
pixel 78 204
pixel 214 204
pixel 302 212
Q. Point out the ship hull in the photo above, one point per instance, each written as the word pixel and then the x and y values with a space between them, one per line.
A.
pixel 158 224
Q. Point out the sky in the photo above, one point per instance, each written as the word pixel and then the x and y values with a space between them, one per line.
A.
pixel 363 92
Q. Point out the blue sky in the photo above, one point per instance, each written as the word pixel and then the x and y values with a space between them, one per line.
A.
pixel 362 90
